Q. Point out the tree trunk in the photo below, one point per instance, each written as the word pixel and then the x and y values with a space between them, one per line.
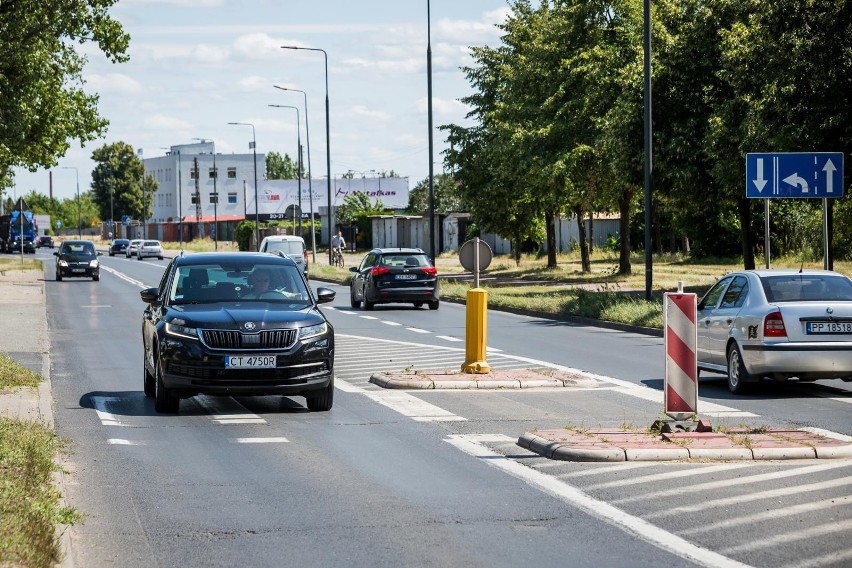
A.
pixel 591 231
pixel 624 231
pixel 585 261
pixel 550 227
pixel 744 209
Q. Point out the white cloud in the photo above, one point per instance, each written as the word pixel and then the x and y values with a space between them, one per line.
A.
pixel 114 83
pixel 361 110
pixel 254 83
pixel 210 54
pixel 258 46
pixel 443 108
pixel 167 123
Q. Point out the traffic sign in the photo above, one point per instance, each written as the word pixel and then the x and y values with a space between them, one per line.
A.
pixel 794 175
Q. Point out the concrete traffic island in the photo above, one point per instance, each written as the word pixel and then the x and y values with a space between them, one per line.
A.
pixel 622 444
pixel 503 379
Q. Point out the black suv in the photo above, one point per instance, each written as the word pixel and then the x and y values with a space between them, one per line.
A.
pixel 395 275
pixel 77 258
pixel 118 246
pixel 44 241
pixel 236 323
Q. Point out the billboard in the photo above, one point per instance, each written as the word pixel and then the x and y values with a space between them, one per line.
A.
pixel 275 195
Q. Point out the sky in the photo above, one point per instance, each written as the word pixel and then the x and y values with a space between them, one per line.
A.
pixel 196 65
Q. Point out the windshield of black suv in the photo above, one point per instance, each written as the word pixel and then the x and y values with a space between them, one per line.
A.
pixel 205 283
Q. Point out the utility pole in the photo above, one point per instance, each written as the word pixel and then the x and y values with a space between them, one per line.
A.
pixel 196 198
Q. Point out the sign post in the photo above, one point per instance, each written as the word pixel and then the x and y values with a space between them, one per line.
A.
pixel 795 175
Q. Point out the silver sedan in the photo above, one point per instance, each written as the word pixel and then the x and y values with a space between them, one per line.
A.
pixel 777 324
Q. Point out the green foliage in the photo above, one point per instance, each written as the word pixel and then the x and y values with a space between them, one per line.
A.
pixel 447 197
pixel 243 235
pixel 44 105
pixel 356 205
pixel 11 373
pixel 281 168
pixel 120 185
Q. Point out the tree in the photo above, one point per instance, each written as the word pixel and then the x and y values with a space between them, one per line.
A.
pixel 447 197
pixel 281 168
pixel 356 205
pixel 117 183
pixel 43 104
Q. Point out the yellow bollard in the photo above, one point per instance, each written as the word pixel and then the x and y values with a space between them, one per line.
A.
pixel 475 332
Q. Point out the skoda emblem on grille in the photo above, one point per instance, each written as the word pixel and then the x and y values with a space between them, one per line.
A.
pixel 829 310
pixel 249 325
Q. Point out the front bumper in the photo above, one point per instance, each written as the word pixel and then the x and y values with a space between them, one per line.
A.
pixel 72 271
pixel 190 368
pixel 803 360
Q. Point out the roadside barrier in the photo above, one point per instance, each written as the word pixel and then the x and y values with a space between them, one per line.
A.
pixel 681 341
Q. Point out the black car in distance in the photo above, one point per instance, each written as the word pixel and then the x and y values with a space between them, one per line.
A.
pixel 236 323
pixel 396 275
pixel 44 241
pixel 77 259
pixel 118 246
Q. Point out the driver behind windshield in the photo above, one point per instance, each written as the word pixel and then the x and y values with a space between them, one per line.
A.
pixel 260 281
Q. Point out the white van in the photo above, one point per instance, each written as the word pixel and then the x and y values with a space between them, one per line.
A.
pixel 291 245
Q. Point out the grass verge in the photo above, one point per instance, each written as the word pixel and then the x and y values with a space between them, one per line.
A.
pixel 30 505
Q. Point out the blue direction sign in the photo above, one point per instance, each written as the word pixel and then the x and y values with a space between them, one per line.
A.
pixel 794 175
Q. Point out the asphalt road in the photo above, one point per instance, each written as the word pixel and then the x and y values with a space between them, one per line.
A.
pixel 396 478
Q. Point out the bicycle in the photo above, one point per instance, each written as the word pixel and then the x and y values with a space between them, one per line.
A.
pixel 337 258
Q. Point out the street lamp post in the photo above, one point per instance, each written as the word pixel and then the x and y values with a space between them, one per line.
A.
pixel 256 210
pixel 310 172
pixel 327 143
pixel 79 216
pixel 431 145
pixel 299 160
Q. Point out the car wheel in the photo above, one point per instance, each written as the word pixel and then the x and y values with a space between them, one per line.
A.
pixel 433 305
pixel 159 258
pixel 321 400
pixel 368 305
pixel 111 254
pixel 352 301
pixel 96 277
pixel 148 380
pixel 164 399
pixel 418 304
pixel 139 257
pixel 58 276
pixel 738 376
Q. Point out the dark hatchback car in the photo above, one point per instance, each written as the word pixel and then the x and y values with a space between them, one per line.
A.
pixel 236 324
pixel 118 246
pixel 44 241
pixel 398 275
pixel 77 259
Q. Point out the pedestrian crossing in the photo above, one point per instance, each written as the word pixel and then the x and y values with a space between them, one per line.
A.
pixel 357 358
pixel 784 514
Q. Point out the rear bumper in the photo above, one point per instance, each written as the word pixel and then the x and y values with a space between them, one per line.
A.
pixel 803 360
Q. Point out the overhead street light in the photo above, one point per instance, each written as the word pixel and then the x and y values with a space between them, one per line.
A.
pixel 256 204
pixel 79 217
pixel 299 159
pixel 327 143
pixel 310 172
pixel 431 143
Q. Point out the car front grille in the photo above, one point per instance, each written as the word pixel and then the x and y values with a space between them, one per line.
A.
pixel 229 339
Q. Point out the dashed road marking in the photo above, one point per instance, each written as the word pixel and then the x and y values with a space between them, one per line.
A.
pixel 270 440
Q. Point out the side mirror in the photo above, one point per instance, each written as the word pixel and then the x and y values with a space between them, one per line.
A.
pixel 56 254
pixel 150 295
pixel 353 269
pixel 100 253
pixel 325 295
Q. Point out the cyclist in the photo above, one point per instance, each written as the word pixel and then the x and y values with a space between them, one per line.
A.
pixel 338 244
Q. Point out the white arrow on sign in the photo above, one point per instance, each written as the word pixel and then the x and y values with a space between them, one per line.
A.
pixel 760 182
pixel 795 180
pixel 829 170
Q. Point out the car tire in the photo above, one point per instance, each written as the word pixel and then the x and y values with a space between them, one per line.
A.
pixel 148 385
pixel 368 305
pixel 738 376
pixel 111 254
pixel 418 304
pixel 321 400
pixel 352 301
pixel 164 399
pixel 96 278
pixel 58 276
pixel 433 305
pixel 159 258
pixel 138 257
